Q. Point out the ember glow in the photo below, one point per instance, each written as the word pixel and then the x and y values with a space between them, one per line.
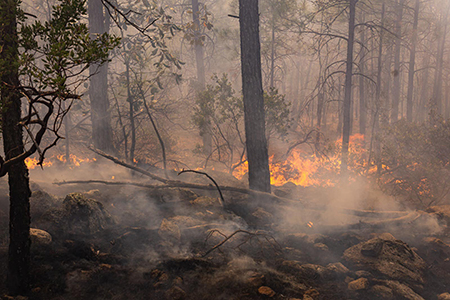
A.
pixel 306 169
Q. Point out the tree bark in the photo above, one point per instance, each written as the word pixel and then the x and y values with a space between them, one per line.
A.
pixel 412 62
pixel 98 90
pixel 254 116
pixel 436 104
pixel 201 79
pixel 362 69
pixel 18 277
pixel 348 90
pixel 398 41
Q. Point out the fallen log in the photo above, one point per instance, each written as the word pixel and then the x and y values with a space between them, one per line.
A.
pixel 280 200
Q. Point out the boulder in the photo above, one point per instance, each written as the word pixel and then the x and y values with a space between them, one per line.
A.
pixel 391 259
pixel 402 291
pixel 358 284
pixel 382 292
pixel 40 202
pixel 266 291
pixel 338 270
pixel 82 215
pixel 40 237
pixel 444 296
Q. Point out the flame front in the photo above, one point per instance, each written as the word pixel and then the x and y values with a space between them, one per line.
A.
pixel 306 169
pixel 74 161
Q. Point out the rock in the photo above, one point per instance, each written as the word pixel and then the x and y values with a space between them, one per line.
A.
pixel 266 291
pixel 442 212
pixel 372 248
pixel 338 269
pixel 169 231
pixel 261 214
pixel 83 216
pixel 321 247
pixel 444 296
pixel 255 279
pixel 40 202
pixel 358 284
pixel 40 237
pixel 81 249
pixel 386 236
pixel 382 292
pixel 205 201
pixel 396 260
pixel 175 293
pixel 402 291
pixel 311 294
pixel 314 272
pixel 363 273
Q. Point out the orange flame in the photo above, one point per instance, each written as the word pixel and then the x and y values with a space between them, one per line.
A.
pixel 74 161
pixel 305 169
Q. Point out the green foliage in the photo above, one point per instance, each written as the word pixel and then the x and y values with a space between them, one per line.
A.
pixel 277 111
pixel 54 53
pixel 416 162
pixel 219 111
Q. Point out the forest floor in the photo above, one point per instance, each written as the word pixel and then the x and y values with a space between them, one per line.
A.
pixel 124 242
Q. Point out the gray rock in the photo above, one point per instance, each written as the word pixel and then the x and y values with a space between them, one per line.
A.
pixel 396 260
pixel 84 216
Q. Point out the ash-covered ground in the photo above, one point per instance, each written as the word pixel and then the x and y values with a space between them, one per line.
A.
pixel 96 241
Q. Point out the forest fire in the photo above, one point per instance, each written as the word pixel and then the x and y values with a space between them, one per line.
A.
pixel 306 169
pixel 73 161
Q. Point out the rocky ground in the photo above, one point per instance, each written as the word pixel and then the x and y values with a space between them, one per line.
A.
pixel 131 243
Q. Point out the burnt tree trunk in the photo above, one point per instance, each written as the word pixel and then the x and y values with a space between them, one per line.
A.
pixel 18 278
pixel 258 159
pixel 348 89
pixel 98 90
pixel 412 62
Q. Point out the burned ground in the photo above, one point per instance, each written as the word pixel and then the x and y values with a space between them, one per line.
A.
pixel 133 243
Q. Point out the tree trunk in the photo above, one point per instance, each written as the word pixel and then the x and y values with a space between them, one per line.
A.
pixel 272 55
pixel 200 63
pixel 98 90
pixel 18 277
pixel 412 62
pixel 398 42
pixel 348 90
pixel 362 96
pixel 378 100
pixel 258 160
pixel 436 104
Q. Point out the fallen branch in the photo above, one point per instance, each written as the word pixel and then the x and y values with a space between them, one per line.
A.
pixel 210 178
pixel 267 237
pixel 407 219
